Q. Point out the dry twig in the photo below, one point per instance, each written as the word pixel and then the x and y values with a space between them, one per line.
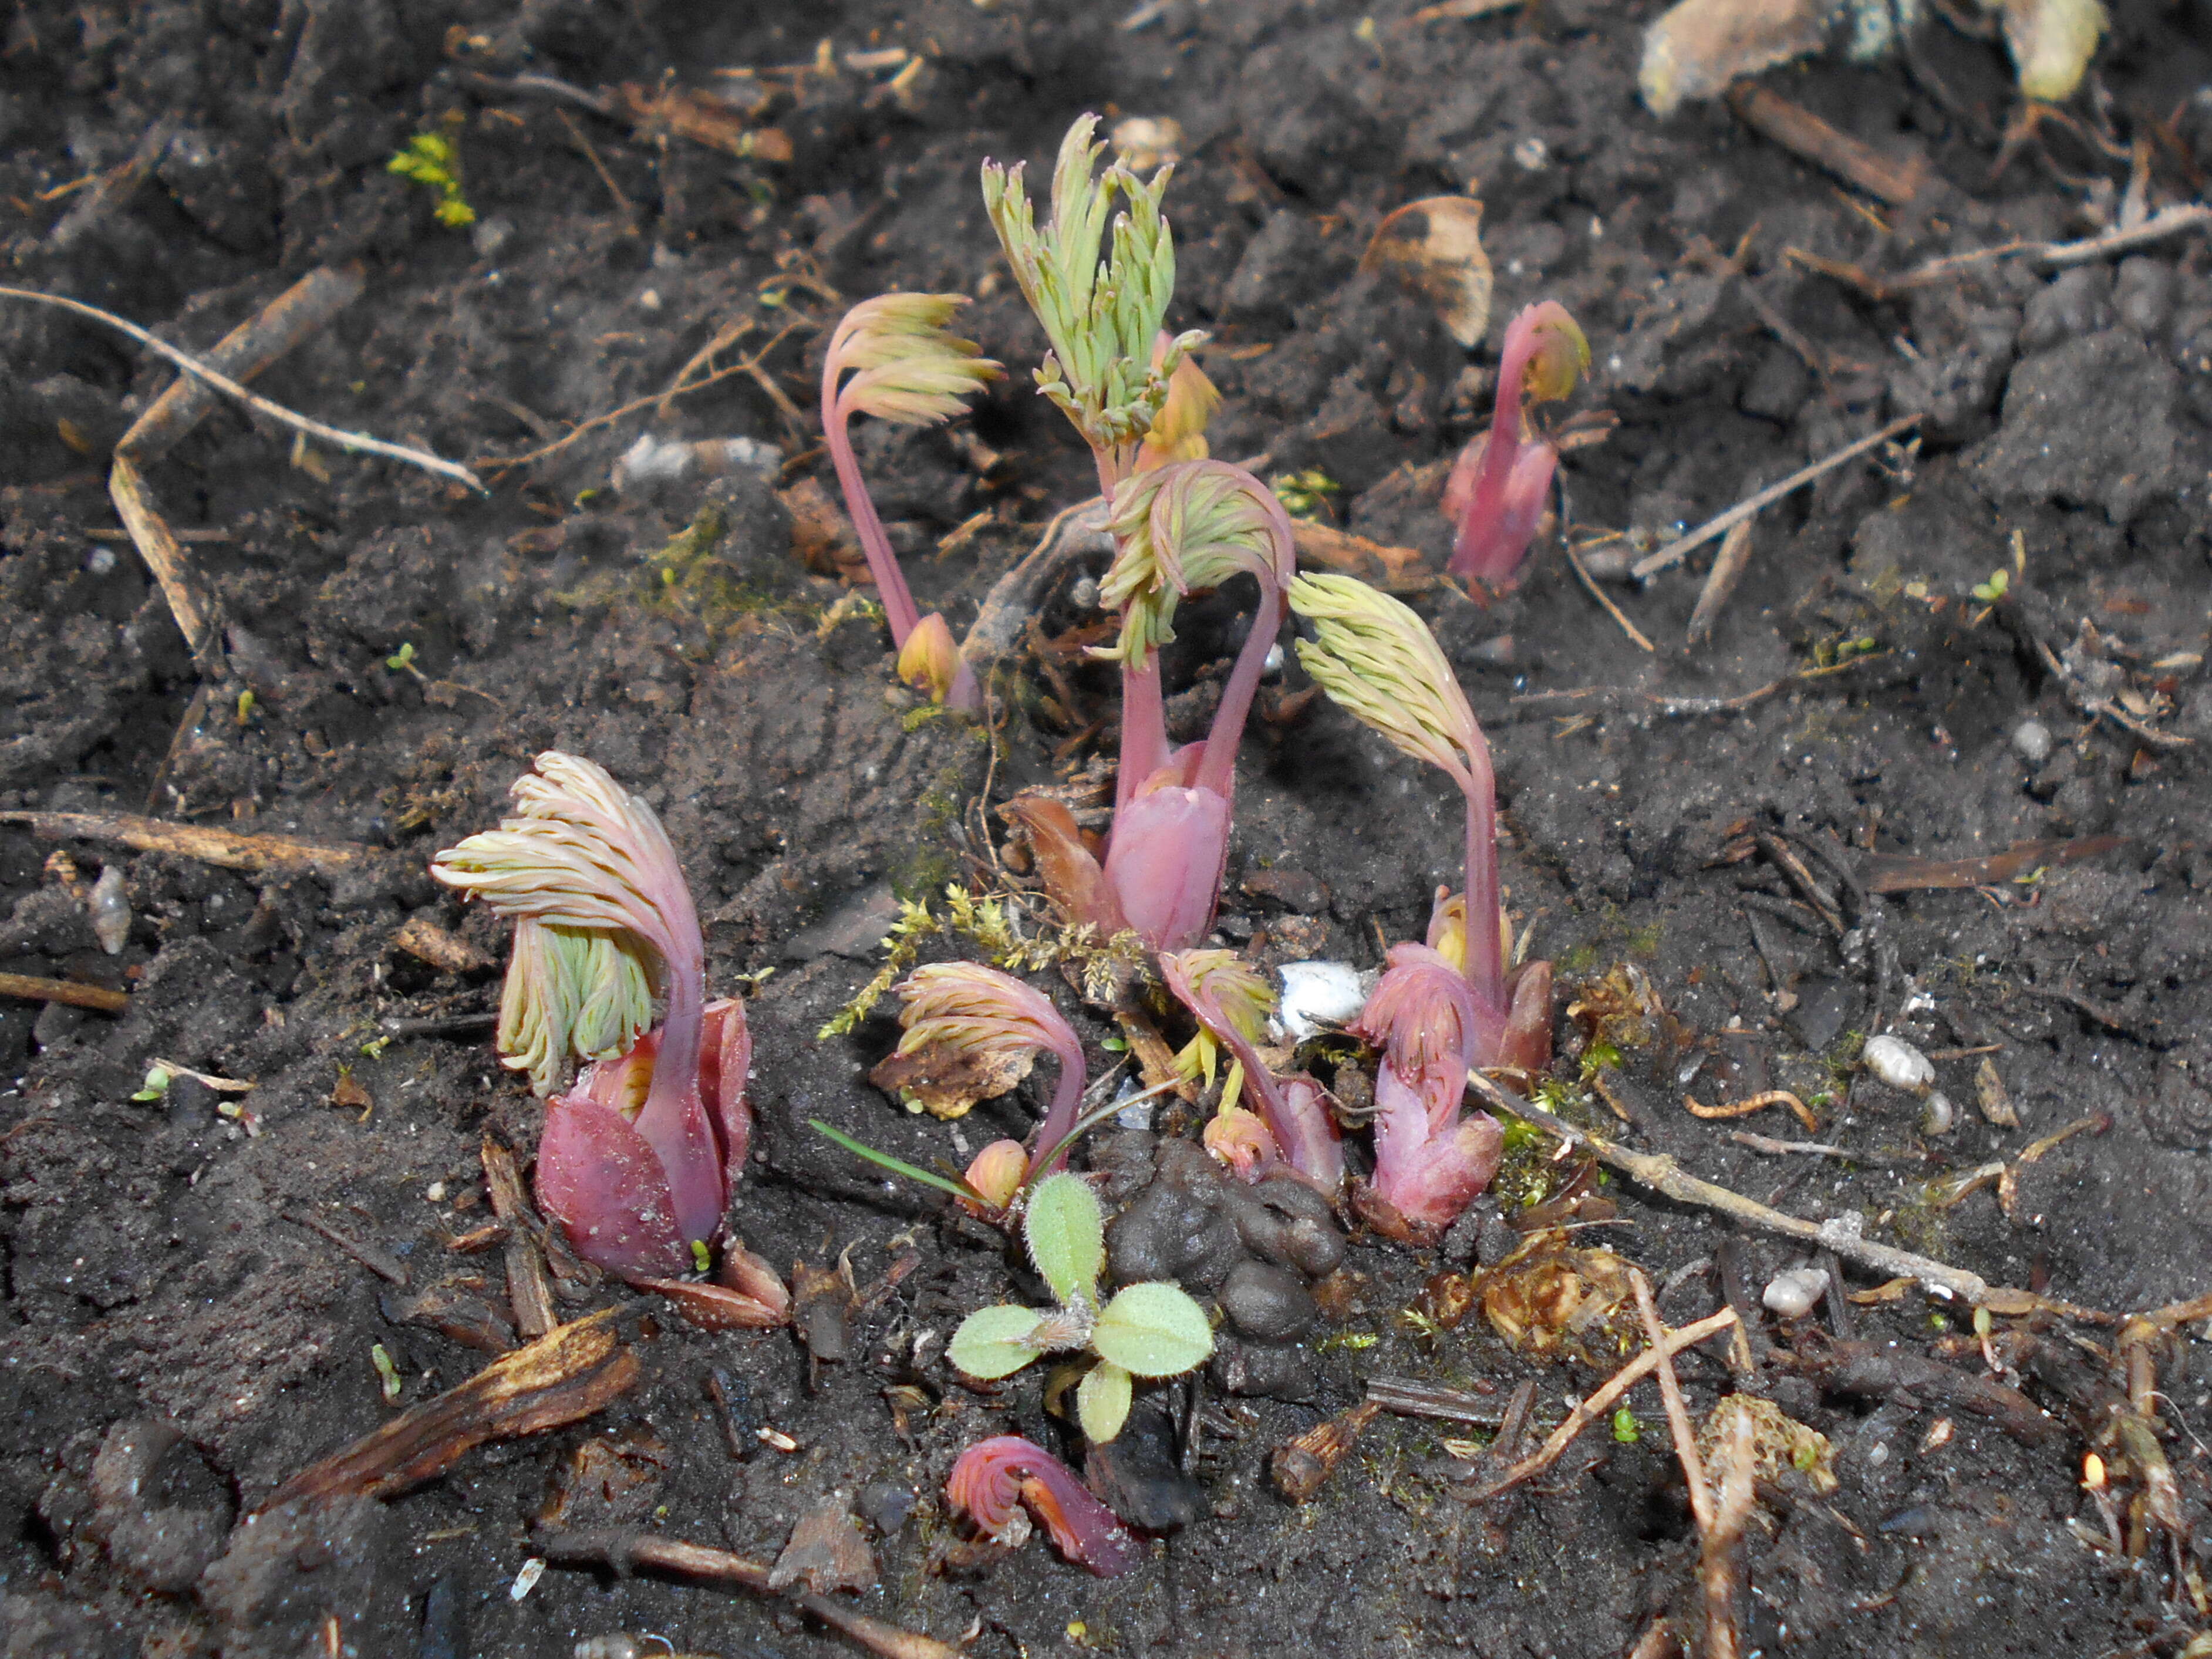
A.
pixel 1601 1399
pixel 1718 1541
pixel 1678 1415
pixel 1841 1234
pixel 1675 551
pixel 34 988
pixel 353 442
pixel 226 847
pixel 627 1552
pixel 1582 571
pixel 1757 1102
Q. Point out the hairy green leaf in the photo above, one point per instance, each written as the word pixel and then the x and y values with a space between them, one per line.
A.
pixel 993 1342
pixel 1101 1401
pixel 1066 1234
pixel 1153 1330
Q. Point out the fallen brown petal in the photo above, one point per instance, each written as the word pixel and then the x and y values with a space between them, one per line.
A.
pixel 564 1377
pixel 1302 1464
pixel 826 1550
pixel 1434 246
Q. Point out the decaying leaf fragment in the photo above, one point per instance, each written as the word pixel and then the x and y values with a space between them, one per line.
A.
pixel 1698 47
pixel 1781 1445
pixel 1434 246
pixel 944 1079
pixel 2051 42
pixel 1548 1299
pixel 827 1551
pixel 565 1376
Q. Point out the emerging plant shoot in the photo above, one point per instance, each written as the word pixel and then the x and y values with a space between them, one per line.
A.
pixel 1499 483
pixel 994 1477
pixel 980 1015
pixel 1185 525
pixel 639 1160
pixel 1146 1330
pixel 1299 1135
pixel 903 365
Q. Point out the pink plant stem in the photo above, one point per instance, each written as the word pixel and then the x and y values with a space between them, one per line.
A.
pixel 1216 765
pixel 1486 948
pixel 1144 711
pixel 883 563
pixel 673 1120
pixel 1067 1100
pixel 1499 455
pixel 899 609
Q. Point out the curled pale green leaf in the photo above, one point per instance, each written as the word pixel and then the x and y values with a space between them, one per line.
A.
pixel 571 992
pixel 1066 1234
pixel 1185 525
pixel 1153 1330
pixel 1101 1401
pixel 905 363
pixel 995 1342
pixel 1378 660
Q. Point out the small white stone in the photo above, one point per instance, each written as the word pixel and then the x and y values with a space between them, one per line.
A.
pixel 1898 1064
pixel 109 908
pixel 1316 993
pixel 2032 738
pixel 435 1192
pixel 1938 1116
pixel 1531 152
pixel 1794 1294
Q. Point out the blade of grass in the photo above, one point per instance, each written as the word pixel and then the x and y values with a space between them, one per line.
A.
pixel 899 1166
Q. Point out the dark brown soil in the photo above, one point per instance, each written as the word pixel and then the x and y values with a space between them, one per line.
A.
pixel 151 1269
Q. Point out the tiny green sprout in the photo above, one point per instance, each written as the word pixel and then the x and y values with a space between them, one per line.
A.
pixel 402 661
pixel 246 701
pixel 1998 585
pixel 1351 1341
pixel 1151 1330
pixel 156 1086
pixel 375 1047
pixel 1626 1430
pixel 1304 495
pixel 1114 1045
pixel 1937 1321
pixel 702 1257
pixel 430 159
pixel 388 1373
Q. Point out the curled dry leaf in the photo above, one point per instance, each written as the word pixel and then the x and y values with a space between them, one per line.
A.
pixel 1434 246
pixel 827 1551
pixel 1696 49
pixel 945 1079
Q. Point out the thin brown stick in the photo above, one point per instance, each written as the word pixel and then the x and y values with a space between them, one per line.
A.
pixel 1717 1565
pixel 1802 133
pixel 1582 571
pixel 271 332
pixel 199 613
pixel 507 463
pixel 33 988
pixel 1728 565
pixel 1842 1234
pixel 1757 1102
pixel 1678 1415
pixel 627 1552
pixel 591 154
pixel 224 847
pixel 353 442
pixel 724 338
pixel 527 1290
pixel 1675 552
pixel 1602 1400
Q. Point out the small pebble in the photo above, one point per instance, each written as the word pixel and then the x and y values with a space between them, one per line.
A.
pixel 435 1192
pixel 1794 1294
pixel 2032 738
pixel 1939 1117
pixel 100 561
pixel 1898 1064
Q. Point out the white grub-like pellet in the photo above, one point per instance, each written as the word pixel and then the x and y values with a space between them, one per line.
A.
pixel 1938 1116
pixel 1796 1293
pixel 1319 993
pixel 1898 1064
pixel 2032 738
pixel 109 908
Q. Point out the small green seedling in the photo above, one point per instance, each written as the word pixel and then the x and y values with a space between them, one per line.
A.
pixel 430 159
pixel 1146 1330
pixel 1307 494
pixel 1999 584
pixel 156 1086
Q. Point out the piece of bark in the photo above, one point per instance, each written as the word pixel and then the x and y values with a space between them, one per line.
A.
pixel 528 1287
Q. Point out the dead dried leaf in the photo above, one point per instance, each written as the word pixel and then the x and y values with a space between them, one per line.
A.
pixel 1434 247
pixel 827 1551
pixel 946 1079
